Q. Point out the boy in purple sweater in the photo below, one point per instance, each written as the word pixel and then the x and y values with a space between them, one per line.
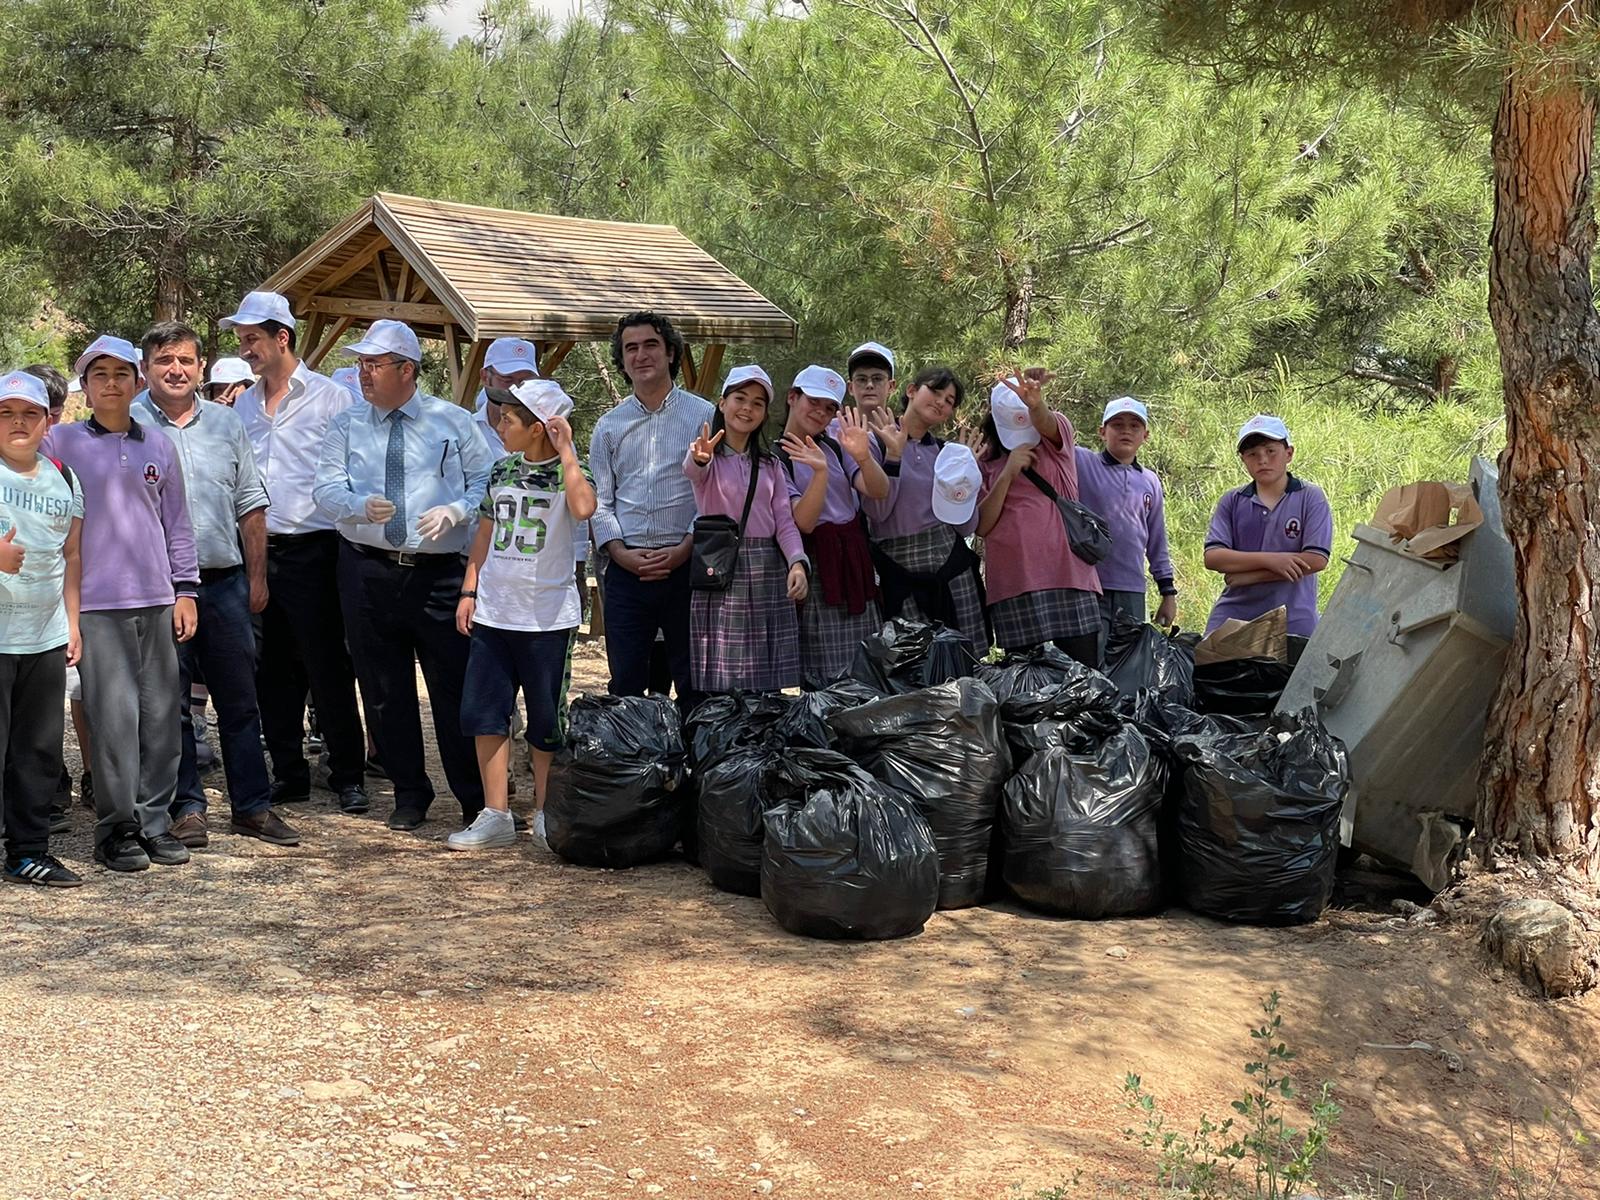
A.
pixel 138 593
pixel 1113 483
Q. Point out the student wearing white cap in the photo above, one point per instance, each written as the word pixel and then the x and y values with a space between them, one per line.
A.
pixel 1039 590
pixel 140 578
pixel 519 604
pixel 286 414
pixel 828 454
pixel 41 518
pixel 399 476
pixel 870 370
pixel 1129 496
pixel 228 379
pixel 925 567
pixel 1270 538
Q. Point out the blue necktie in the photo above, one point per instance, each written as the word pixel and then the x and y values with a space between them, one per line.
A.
pixel 394 480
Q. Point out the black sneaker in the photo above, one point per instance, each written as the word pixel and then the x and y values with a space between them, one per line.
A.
pixel 285 792
pixel 165 849
pixel 121 852
pixel 44 871
pixel 407 819
pixel 353 801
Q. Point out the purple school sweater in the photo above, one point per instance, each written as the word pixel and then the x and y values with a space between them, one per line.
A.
pixel 138 546
pixel 1131 500
pixel 1301 520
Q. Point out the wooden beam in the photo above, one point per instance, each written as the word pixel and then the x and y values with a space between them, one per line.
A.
pixel 311 332
pixel 452 357
pixel 371 310
pixel 554 355
pixel 686 369
pixel 356 263
pixel 386 287
pixel 321 351
pixel 403 288
pixel 710 365
pixel 470 372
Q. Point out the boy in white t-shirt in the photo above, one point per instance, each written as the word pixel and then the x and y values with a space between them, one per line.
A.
pixel 519 603
pixel 41 520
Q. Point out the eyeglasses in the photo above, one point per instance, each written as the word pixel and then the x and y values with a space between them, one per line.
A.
pixel 369 365
pixel 869 379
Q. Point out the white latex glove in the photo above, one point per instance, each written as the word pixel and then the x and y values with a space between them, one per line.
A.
pixel 379 509
pixel 437 522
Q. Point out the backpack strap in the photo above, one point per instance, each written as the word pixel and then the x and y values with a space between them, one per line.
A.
pixel 66 473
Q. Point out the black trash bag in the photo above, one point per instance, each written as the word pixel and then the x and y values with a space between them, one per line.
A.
pixel 1241 687
pixel 1044 684
pixel 906 656
pixel 722 722
pixel 1259 820
pixel 1161 722
pixel 943 747
pixel 1141 656
pixel 846 856
pixel 735 793
pixel 617 796
pixel 1080 830
pixel 1081 734
pixel 806 722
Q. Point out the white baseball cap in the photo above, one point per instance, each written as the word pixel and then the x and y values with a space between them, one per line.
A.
pixel 232 370
pixel 349 378
pixel 821 383
pixel 106 346
pixel 1128 405
pixel 956 480
pixel 257 308
pixel 744 374
pixel 1012 420
pixel 1263 425
pixel 20 385
pixel 870 350
pixel 544 398
pixel 388 337
pixel 511 356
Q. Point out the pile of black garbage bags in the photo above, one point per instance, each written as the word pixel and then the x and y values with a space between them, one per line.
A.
pixel 929 780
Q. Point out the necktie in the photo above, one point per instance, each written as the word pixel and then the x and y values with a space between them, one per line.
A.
pixel 394 480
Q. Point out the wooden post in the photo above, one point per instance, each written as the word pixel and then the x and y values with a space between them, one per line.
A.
pixel 314 359
pixel 470 371
pixel 710 367
pixel 452 358
pixel 380 267
pixel 691 377
pixel 554 355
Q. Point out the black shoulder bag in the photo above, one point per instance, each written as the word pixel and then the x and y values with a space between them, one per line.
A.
pixel 1087 532
pixel 715 553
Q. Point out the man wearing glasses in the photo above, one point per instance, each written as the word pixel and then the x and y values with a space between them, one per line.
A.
pixel 286 413
pixel 399 476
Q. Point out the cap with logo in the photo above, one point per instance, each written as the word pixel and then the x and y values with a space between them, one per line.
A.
pixel 257 308
pixel 511 356
pixel 1125 405
pixel 1012 420
pixel 19 385
pixel 1263 425
pixel 232 370
pixel 746 374
pixel 868 351
pixel 544 398
pixel 820 383
pixel 388 337
pixel 106 346
pixel 956 479
pixel 349 378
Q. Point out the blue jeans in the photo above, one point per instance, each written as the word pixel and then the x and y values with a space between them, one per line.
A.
pixel 224 651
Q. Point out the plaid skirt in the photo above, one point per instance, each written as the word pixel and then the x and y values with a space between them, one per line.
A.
pixel 747 637
pixel 1034 618
pixel 925 553
pixel 829 637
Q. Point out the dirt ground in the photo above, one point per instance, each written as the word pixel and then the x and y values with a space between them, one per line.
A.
pixel 369 1015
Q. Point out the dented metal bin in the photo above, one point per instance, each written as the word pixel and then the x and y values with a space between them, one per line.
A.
pixel 1403 667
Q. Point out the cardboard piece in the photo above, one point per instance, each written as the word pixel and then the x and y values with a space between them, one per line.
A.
pixel 1265 637
pixel 1417 516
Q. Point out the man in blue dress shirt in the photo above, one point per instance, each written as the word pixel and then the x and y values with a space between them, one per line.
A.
pixel 399 475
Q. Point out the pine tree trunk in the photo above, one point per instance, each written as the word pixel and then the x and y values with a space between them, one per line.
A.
pixel 1019 309
pixel 1541 770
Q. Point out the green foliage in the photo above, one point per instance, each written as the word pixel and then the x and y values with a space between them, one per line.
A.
pixel 1253 1154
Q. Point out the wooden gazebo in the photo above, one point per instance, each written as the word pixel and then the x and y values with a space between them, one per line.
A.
pixel 464 275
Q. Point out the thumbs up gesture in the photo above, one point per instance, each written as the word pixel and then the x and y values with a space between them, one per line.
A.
pixel 11 554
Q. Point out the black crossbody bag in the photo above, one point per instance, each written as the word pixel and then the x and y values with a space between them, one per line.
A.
pixel 1087 531
pixel 715 554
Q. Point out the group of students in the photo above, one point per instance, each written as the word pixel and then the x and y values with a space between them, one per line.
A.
pixel 725 561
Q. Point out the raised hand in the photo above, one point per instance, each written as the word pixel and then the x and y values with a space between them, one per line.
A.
pixel 854 436
pixel 11 554
pixel 1029 387
pixel 560 434
pixel 889 433
pixel 804 450
pixel 704 446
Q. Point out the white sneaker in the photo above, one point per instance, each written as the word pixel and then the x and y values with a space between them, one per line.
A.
pixel 538 829
pixel 490 829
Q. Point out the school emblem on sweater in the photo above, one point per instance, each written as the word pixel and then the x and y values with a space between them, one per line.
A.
pixel 1149 501
pixel 1291 527
pixel 152 474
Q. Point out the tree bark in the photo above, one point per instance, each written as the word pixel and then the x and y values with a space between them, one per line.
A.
pixel 1541 770
pixel 1018 308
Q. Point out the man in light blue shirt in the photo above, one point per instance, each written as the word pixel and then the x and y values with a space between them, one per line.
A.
pixel 398 476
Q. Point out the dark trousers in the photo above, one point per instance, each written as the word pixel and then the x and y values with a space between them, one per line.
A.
pixel 224 650
pixel 399 617
pixel 635 610
pixel 303 647
pixel 32 726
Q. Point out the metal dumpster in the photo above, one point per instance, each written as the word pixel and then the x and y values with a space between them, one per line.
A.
pixel 1403 667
